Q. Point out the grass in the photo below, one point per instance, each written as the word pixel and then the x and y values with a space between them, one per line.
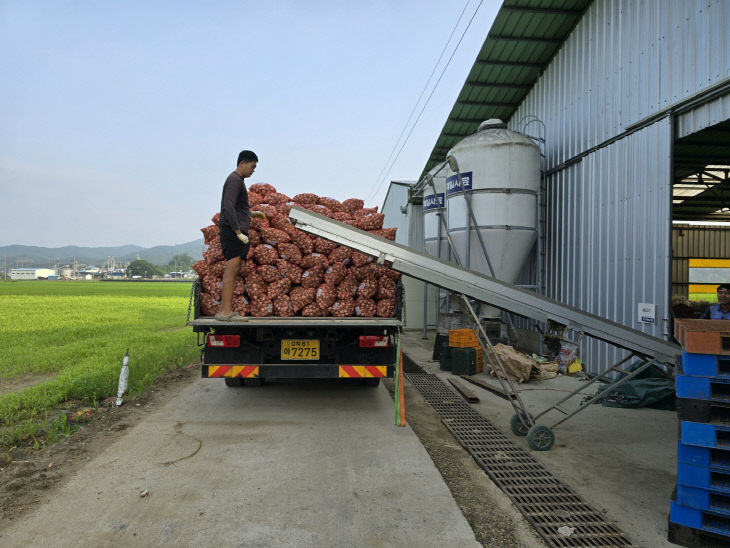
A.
pixel 76 332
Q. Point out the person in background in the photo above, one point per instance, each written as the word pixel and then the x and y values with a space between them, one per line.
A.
pixel 234 222
pixel 719 311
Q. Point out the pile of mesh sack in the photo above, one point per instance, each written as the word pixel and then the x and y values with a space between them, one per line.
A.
pixel 291 273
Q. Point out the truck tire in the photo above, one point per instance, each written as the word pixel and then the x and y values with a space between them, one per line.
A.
pixel 371 381
pixel 256 381
pixel 234 381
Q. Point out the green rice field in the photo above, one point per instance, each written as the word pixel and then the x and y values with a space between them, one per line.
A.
pixel 65 340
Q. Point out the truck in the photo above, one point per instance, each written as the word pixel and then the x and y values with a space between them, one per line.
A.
pixel 257 349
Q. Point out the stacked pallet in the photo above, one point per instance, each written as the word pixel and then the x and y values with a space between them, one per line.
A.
pixel 291 273
pixel 700 510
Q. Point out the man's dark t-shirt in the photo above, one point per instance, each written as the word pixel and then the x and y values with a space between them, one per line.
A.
pixel 234 204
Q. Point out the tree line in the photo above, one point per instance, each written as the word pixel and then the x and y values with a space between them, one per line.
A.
pixel 145 269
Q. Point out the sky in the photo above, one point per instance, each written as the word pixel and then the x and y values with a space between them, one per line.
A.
pixel 120 121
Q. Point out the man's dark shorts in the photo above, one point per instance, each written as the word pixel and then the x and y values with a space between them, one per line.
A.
pixel 230 244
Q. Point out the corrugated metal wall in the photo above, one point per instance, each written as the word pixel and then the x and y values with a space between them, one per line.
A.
pixel 695 242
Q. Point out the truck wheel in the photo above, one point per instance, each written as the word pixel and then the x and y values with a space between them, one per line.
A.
pixel 371 381
pixel 234 381
pixel 255 381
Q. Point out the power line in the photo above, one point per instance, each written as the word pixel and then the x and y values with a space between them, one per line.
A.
pixel 380 184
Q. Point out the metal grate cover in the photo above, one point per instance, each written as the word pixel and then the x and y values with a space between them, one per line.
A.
pixel 541 497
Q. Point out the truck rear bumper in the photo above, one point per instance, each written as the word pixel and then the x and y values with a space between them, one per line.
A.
pixel 285 371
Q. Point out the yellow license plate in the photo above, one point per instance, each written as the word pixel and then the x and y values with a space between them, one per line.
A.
pixel 300 349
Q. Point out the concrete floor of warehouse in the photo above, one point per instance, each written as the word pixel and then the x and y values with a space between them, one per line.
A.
pixel 621 461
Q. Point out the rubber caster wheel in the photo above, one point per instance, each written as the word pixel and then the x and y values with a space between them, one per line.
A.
pixel 517 426
pixel 540 438
pixel 371 381
pixel 234 381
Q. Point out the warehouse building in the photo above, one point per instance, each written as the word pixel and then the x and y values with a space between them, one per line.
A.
pixel 629 104
pixel 31 273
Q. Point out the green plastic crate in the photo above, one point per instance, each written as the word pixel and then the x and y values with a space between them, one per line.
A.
pixel 463 361
pixel 445 358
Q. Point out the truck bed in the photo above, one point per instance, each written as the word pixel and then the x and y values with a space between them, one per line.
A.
pixel 296 321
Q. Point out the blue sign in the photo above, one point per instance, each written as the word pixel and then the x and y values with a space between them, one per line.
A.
pixel 452 183
pixel 433 201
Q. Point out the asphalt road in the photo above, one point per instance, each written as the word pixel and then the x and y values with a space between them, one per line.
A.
pixel 295 464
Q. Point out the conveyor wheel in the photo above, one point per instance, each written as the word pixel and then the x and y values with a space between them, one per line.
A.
pixel 519 424
pixel 540 437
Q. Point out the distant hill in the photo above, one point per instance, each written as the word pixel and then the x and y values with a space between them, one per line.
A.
pixel 25 255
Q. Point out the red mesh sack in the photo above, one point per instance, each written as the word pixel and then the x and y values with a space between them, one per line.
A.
pixel 216 219
pixel 379 270
pixel 261 307
pixel 247 267
pixel 209 306
pixel 343 308
pixel 274 236
pixel 351 222
pixel 301 297
pixel 278 288
pixel 303 242
pixel 315 259
pixel 210 233
pixel 325 296
pixel 324 246
pixel 393 274
pixel 241 305
pixel 368 288
pixel 312 277
pixel 317 208
pixel 283 306
pixel 340 254
pixel 347 288
pixel 269 273
pixel 373 221
pixel 254 198
pixel 386 308
pixel 312 310
pixel 213 286
pixel 291 271
pixel 282 222
pixel 335 273
pixel 265 254
pixel 254 237
pixel 331 204
pixel 239 288
pixel 255 287
pixel 290 252
pixel 341 216
pixel 353 204
pixel 267 209
pixel 365 307
pixel 360 259
pixel 306 198
pixel 200 268
pixel 386 288
pixel 259 224
pixel 217 269
pixel 250 254
pixel 262 188
pixel 214 253
pixel 387 233
pixel 276 198
pixel 363 211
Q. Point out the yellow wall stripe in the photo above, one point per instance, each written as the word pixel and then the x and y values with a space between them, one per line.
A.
pixel 703 288
pixel 709 263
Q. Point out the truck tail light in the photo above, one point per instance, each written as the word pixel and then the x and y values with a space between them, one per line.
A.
pixel 227 341
pixel 374 341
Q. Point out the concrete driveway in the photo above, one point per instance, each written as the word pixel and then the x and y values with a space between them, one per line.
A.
pixel 291 464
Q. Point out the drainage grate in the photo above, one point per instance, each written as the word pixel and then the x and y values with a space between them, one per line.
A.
pixel 541 497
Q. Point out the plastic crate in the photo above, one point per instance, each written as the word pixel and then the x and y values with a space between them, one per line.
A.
pixel 703 477
pixel 704 365
pixel 699 519
pixel 704 434
pixel 463 361
pixel 703 499
pixel 445 359
pixel 703 456
pixel 703 388
pixel 462 338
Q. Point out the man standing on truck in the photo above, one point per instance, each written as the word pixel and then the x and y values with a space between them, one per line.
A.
pixel 234 222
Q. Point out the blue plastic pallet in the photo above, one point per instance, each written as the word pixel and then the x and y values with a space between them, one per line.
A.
pixel 703 388
pixel 703 477
pixel 704 456
pixel 703 499
pixel 705 435
pixel 704 365
pixel 703 520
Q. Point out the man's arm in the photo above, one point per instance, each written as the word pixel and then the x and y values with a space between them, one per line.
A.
pixel 705 314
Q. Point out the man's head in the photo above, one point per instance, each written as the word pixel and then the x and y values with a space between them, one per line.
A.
pixel 723 294
pixel 247 161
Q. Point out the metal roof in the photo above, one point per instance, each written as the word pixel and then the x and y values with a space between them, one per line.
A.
pixel 524 37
